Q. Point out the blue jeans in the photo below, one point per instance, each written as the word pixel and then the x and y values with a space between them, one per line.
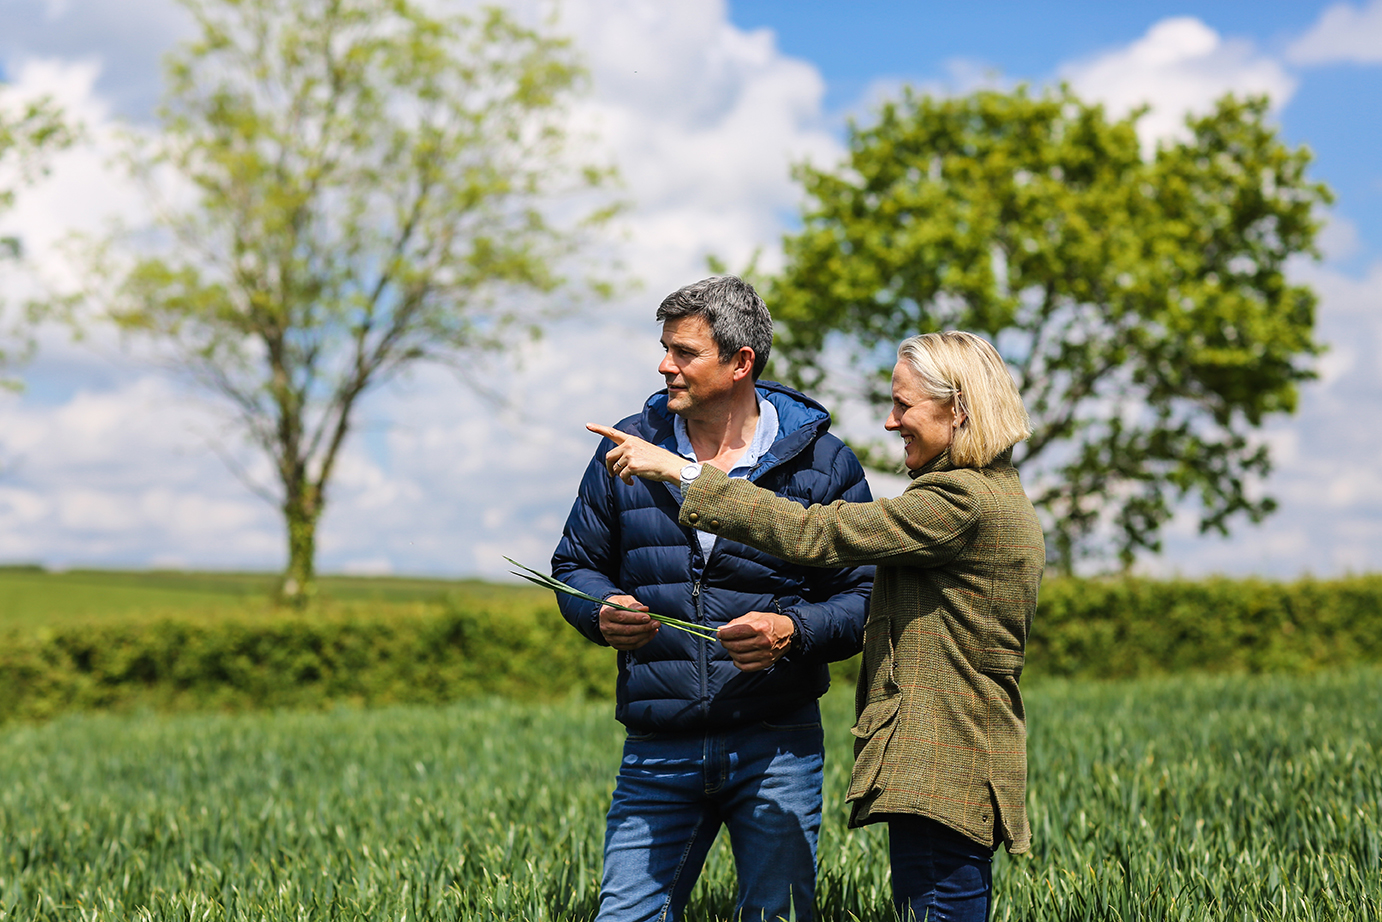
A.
pixel 938 874
pixel 675 790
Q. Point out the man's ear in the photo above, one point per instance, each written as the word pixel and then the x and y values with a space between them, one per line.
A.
pixel 743 363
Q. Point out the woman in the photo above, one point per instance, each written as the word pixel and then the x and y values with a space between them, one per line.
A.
pixel 941 741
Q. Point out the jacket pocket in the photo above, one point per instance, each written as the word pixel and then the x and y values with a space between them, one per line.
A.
pixel 999 662
pixel 875 727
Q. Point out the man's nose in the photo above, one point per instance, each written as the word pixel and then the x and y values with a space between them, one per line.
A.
pixel 667 367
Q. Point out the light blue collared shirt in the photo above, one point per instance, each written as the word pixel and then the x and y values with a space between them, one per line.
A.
pixel 764 434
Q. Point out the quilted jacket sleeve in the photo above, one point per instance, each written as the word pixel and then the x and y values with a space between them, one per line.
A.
pixel 830 619
pixel 586 558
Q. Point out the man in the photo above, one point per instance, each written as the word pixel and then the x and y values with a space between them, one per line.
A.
pixel 719 732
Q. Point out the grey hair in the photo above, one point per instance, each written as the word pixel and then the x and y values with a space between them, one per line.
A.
pixel 736 315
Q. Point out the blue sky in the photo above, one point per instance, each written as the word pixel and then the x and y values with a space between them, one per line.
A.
pixel 1336 110
pixel 108 460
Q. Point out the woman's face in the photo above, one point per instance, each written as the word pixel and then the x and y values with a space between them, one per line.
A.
pixel 926 425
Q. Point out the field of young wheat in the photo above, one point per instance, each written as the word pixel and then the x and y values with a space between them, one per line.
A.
pixel 32 598
pixel 1186 798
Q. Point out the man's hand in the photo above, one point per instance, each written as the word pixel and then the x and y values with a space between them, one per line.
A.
pixel 757 640
pixel 626 630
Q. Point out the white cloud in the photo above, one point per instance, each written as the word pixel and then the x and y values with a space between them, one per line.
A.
pixel 1344 33
pixel 961 76
pixel 1327 477
pixel 127 38
pixel 1180 66
pixel 122 475
pixel 83 192
pixel 704 120
pixel 104 461
pixel 1338 239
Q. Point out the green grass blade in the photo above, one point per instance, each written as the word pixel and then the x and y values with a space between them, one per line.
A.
pixel 551 582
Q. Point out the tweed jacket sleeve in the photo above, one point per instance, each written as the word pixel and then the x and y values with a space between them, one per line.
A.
pixel 830 612
pixel 927 526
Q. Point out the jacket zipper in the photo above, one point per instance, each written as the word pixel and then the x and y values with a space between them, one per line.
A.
pixel 701 646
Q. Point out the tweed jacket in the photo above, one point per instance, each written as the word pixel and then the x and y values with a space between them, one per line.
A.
pixel 941 730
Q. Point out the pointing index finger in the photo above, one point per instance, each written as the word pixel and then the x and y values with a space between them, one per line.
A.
pixel 613 435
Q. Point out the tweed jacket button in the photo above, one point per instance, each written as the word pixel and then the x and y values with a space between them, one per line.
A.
pixel 714 523
pixel 693 518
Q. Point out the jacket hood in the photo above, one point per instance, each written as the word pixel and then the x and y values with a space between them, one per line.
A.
pixel 800 421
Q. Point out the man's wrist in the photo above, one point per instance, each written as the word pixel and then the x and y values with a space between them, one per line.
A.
pixel 599 628
pixel 794 635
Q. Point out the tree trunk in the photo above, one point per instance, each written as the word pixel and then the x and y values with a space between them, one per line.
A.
pixel 299 586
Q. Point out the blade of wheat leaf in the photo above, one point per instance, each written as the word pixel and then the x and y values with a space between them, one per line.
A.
pixel 551 582
pixel 699 630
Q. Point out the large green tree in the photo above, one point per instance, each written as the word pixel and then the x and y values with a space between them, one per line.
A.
pixel 30 133
pixel 361 185
pixel 1142 301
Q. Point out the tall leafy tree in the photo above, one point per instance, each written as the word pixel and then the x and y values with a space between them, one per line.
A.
pixel 30 133
pixel 1142 301
pixel 365 185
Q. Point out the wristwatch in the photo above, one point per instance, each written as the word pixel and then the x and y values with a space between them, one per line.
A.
pixel 688 474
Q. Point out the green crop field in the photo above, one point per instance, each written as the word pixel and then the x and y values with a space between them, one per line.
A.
pixel 30 596
pixel 1186 798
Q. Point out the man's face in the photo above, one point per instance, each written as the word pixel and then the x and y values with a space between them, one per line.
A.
pixel 696 378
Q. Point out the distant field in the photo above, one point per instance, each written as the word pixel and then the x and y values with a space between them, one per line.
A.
pixel 174 641
pixel 34 597
pixel 95 640
pixel 1190 798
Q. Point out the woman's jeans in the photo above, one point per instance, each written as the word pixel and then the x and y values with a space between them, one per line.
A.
pixel 938 874
pixel 675 790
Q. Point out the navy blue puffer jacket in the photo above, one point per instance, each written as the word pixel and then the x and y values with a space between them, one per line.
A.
pixel 625 540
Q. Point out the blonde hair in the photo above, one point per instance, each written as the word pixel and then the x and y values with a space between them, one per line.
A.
pixel 955 365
